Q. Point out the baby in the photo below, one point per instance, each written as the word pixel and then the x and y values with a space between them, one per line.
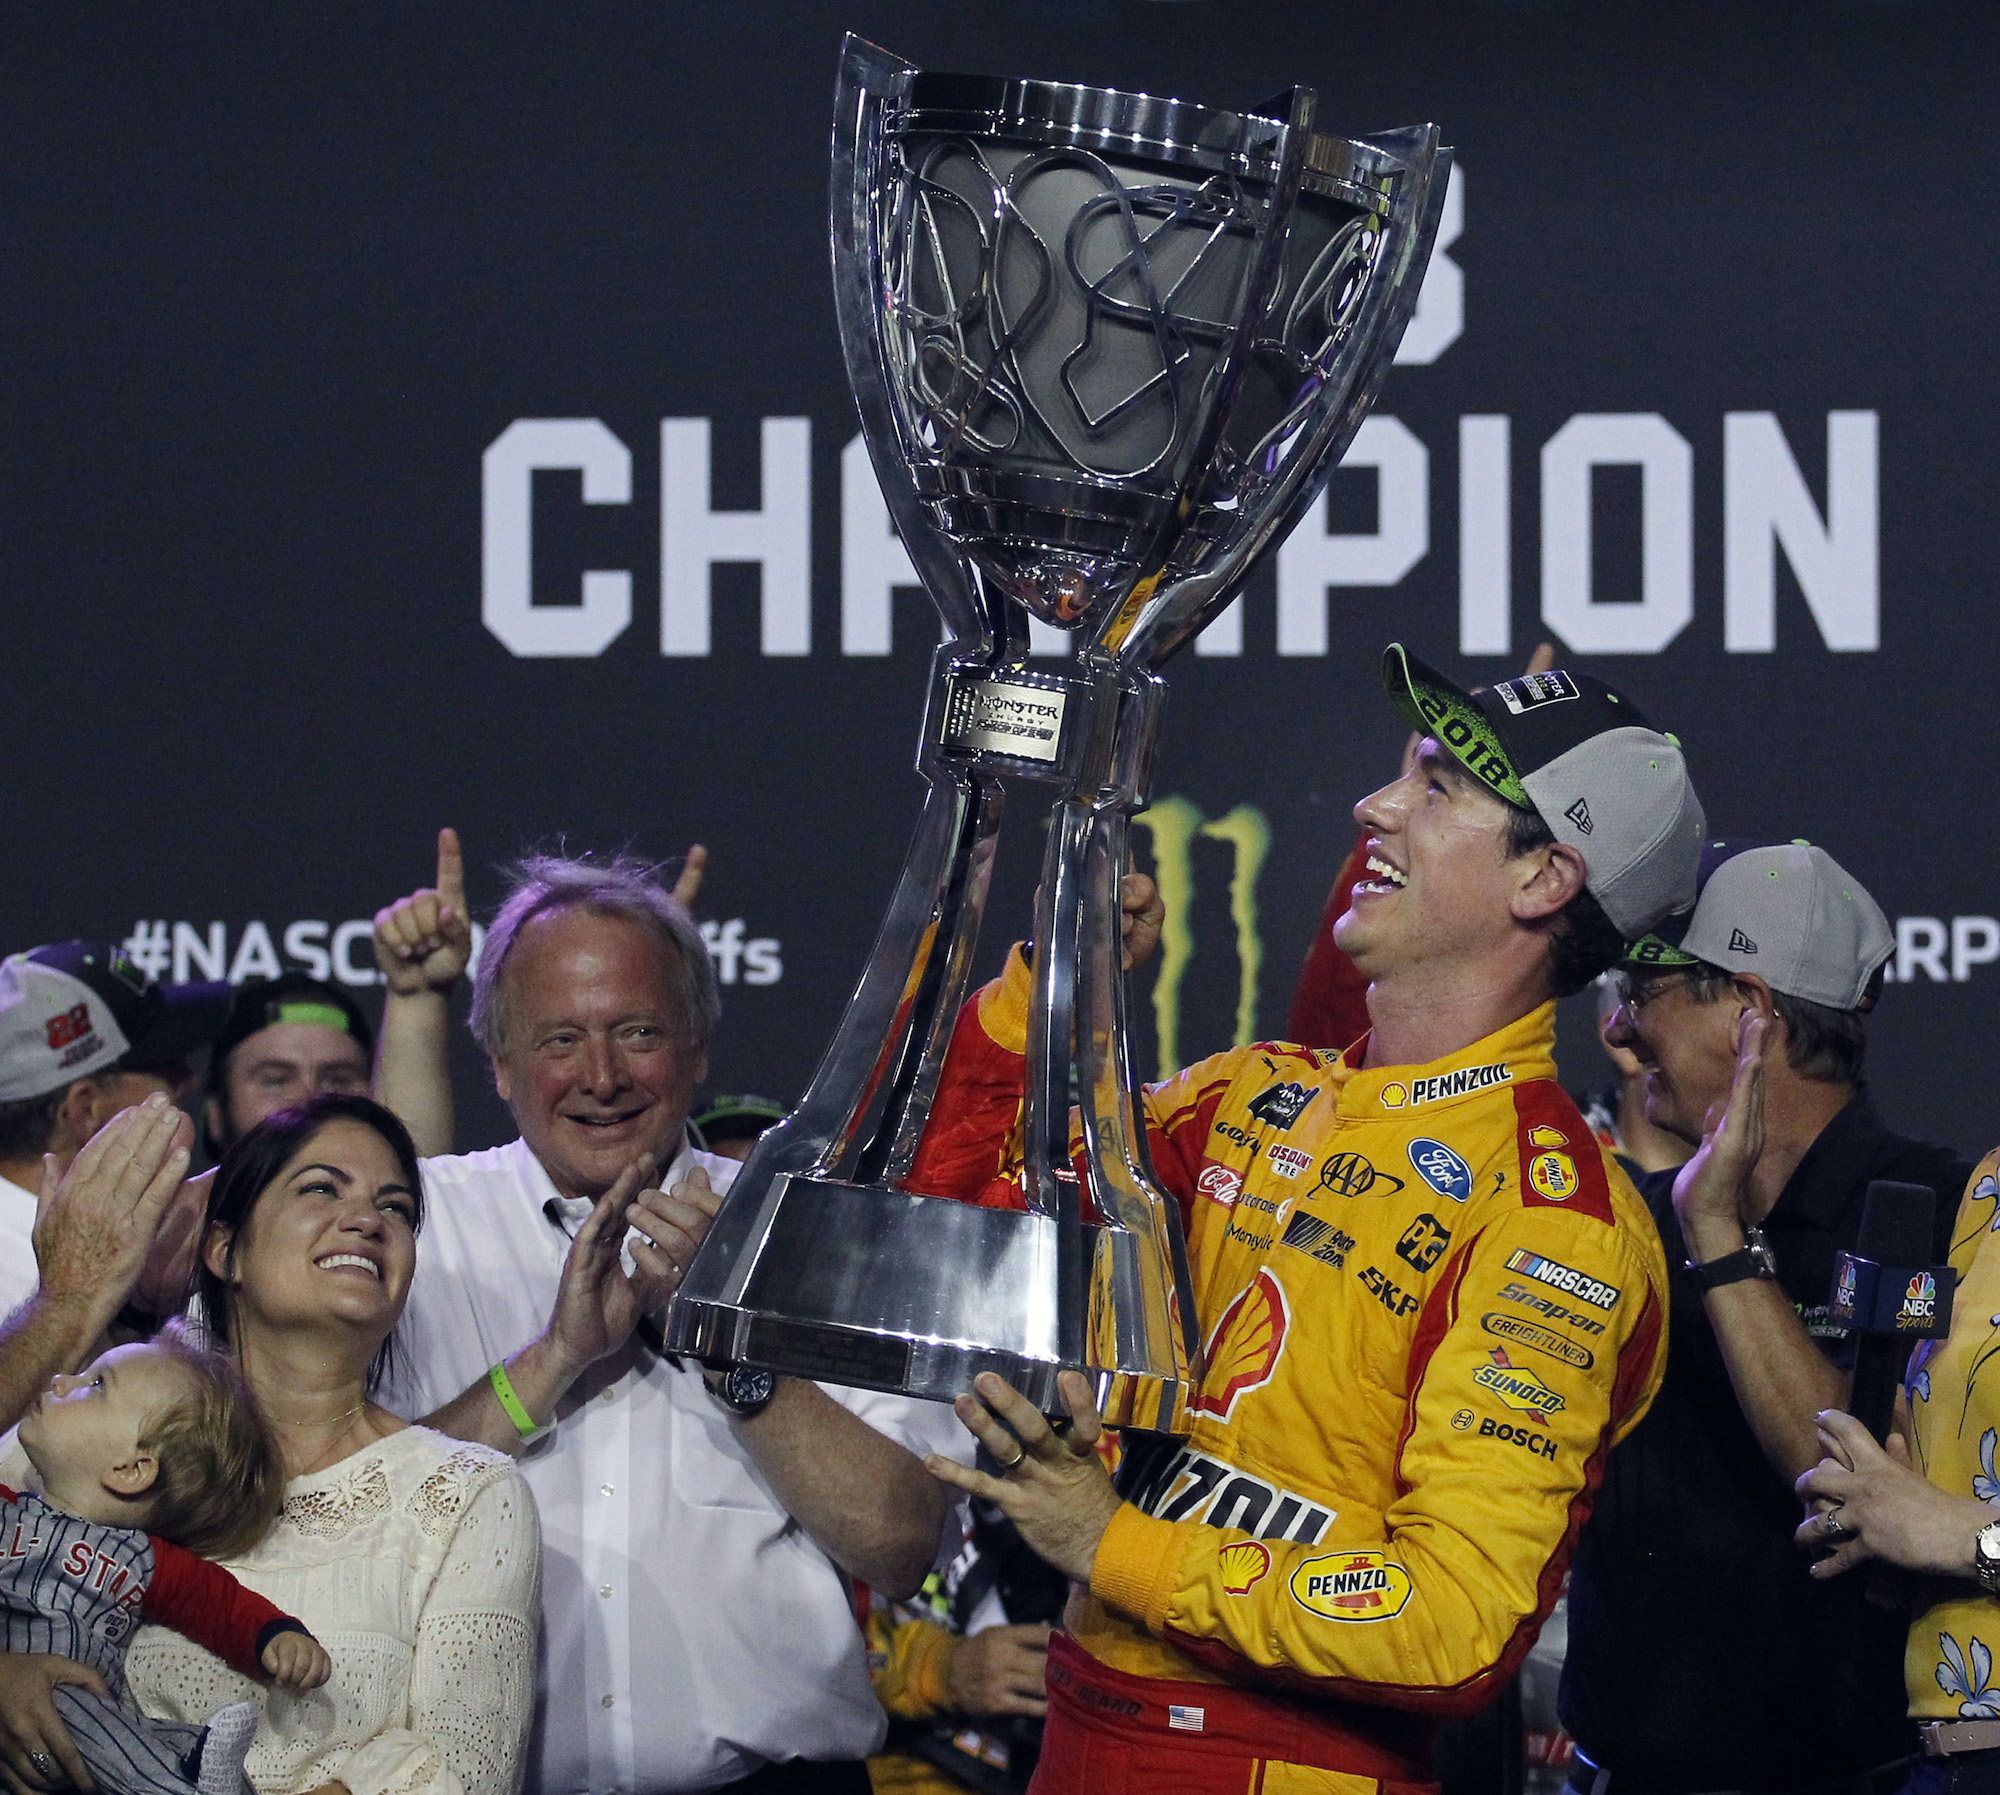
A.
pixel 150 1457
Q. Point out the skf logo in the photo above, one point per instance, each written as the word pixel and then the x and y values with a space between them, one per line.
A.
pixel 1219 1184
pixel 1391 1296
pixel 1354 1175
pixel 1442 1169
pixel 1423 1242
pixel 71 1025
pixel 1245 1348
pixel 1244 1565
pixel 1356 1586
pixel 1554 1175
pixel 1542 1445
pixel 1516 1386
pixel 1289 1162
pixel 1282 1104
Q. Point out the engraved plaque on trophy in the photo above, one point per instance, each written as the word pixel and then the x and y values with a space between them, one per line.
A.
pixel 1106 349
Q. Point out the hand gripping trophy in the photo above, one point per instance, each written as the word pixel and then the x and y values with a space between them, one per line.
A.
pixel 1106 349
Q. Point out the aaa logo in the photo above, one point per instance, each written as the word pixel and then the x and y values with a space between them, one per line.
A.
pixel 1245 1348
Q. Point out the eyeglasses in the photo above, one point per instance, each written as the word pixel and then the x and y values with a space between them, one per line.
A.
pixel 1635 994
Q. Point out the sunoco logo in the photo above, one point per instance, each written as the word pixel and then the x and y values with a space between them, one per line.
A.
pixel 1355 1586
pixel 1516 1386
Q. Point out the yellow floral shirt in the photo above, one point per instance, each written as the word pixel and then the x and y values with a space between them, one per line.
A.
pixel 1954 1389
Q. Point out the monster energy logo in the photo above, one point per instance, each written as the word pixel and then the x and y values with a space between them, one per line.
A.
pixel 1173 824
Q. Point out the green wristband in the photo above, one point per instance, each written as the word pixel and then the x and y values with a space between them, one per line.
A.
pixel 517 1410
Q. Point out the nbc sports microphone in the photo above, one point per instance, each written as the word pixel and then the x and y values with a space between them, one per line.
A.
pixel 1886 1293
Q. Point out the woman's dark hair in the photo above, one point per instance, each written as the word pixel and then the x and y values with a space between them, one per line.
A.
pixel 252 1165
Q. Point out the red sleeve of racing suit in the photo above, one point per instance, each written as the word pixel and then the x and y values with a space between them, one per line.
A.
pixel 1330 1004
pixel 971 1147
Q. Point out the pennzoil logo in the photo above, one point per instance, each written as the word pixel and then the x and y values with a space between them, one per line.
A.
pixel 1453 1084
pixel 1176 1483
pixel 1352 1586
pixel 1516 1386
pixel 1245 1348
pixel 1554 1175
pixel 1563 1277
pixel 1244 1565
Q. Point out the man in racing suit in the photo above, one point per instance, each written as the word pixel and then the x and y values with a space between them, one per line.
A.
pixel 1430 1302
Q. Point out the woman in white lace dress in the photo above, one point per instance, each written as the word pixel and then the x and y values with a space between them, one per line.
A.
pixel 414 1558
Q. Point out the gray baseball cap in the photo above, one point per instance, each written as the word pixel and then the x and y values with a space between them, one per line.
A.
pixel 1791 914
pixel 1585 760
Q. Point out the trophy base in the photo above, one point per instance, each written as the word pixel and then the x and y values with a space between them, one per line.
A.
pixel 886 1290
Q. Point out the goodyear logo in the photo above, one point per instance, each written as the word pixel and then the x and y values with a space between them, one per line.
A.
pixel 1563 1277
pixel 1352 1586
pixel 1554 1175
pixel 1516 1386
pixel 1442 1169
pixel 1537 1338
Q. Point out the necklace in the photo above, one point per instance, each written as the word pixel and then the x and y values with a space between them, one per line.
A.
pixel 339 1420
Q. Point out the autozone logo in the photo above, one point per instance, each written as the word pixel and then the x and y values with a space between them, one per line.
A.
pixel 1185 1485
pixel 1459 1083
pixel 1563 1277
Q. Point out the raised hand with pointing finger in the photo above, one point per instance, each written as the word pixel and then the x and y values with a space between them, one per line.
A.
pixel 423 941
pixel 422 944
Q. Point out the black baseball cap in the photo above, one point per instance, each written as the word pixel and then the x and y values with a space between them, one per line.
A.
pixel 1585 760
pixel 293 997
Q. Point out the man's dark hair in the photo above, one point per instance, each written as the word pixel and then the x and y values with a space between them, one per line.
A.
pixel 251 1167
pixel 1583 941
pixel 1827 1045
pixel 28 1124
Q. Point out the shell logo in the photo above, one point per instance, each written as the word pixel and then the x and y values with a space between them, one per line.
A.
pixel 1352 1586
pixel 1554 1175
pixel 1394 1096
pixel 1245 1347
pixel 1545 1136
pixel 1244 1565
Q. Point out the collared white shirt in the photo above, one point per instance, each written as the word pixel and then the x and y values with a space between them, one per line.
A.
pixel 20 1276
pixel 690 1628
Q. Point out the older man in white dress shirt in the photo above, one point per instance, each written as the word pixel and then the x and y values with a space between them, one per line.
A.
pixel 700 1534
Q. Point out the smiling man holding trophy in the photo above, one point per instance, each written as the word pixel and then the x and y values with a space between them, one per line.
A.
pixel 1369 1321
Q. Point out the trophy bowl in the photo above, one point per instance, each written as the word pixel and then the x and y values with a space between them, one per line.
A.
pixel 1106 349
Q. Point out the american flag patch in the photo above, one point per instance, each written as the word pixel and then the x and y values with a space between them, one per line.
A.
pixel 1186 1720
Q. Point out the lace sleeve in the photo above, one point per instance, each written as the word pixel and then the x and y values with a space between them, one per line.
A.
pixel 472 1682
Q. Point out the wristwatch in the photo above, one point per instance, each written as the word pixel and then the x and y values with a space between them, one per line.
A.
pixel 1754 1261
pixel 743 1390
pixel 1986 1557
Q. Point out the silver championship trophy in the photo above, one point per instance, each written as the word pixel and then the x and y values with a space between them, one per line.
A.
pixel 1106 349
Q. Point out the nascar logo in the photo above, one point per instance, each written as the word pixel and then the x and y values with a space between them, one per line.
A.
pixel 1563 1277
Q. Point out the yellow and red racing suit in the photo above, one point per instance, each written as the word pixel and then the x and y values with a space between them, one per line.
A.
pixel 1431 1304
